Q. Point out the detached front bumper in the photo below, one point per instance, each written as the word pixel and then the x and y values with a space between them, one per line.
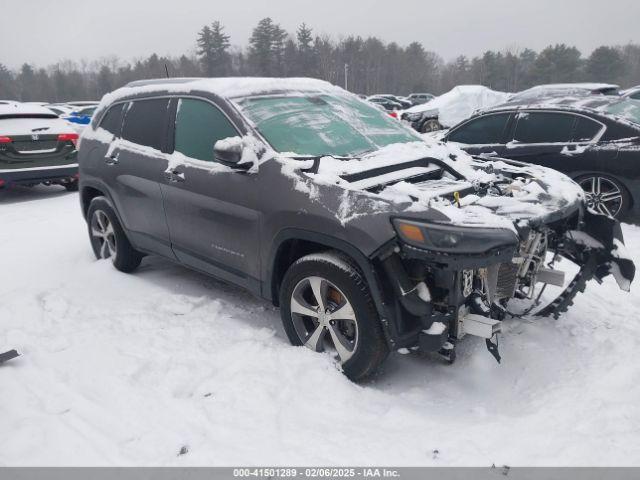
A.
pixel 29 176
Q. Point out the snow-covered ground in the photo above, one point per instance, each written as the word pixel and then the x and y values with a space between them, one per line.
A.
pixel 123 369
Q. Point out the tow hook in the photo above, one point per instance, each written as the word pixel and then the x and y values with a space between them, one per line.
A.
pixel 493 349
pixel 448 352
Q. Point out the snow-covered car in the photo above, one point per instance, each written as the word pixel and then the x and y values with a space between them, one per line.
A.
pixel 420 98
pixel 401 102
pixel 564 90
pixel 36 147
pixel 632 93
pixel 367 237
pixel 452 107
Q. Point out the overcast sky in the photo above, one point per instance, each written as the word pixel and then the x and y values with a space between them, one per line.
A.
pixel 45 31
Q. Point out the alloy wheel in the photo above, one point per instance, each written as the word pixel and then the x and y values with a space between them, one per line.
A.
pixel 323 316
pixel 102 230
pixel 431 126
pixel 603 195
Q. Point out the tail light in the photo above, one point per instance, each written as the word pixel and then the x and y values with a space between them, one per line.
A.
pixel 1 183
pixel 5 139
pixel 393 114
pixel 69 137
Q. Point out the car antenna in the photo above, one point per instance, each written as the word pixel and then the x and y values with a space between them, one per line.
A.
pixel 166 69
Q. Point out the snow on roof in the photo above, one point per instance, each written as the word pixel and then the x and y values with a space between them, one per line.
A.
pixel 583 86
pixel 229 87
pixel 24 109
pixel 594 104
pixel 460 103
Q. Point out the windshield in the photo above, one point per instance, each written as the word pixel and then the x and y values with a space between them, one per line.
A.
pixel 628 109
pixel 317 125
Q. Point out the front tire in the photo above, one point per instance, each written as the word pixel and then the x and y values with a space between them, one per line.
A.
pixel 431 125
pixel 325 302
pixel 108 239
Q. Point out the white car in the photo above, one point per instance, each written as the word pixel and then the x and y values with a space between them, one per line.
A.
pixel 451 108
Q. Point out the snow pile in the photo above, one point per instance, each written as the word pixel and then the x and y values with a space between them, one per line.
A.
pixel 123 369
pixel 460 103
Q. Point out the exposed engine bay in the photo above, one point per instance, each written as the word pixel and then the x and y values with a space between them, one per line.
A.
pixel 461 280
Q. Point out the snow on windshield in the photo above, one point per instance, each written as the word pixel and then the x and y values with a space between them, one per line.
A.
pixel 316 125
pixel 628 109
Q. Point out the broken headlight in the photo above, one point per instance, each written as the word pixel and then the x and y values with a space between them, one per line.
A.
pixel 439 237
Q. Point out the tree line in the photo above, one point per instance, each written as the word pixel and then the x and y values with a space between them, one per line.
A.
pixel 364 65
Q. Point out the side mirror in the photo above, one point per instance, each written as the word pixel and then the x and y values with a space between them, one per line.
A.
pixel 228 150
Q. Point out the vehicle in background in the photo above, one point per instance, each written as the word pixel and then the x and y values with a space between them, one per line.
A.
pixel 59 109
pixel 595 141
pixel 565 90
pixel 388 105
pixel 392 98
pixel 452 107
pixel 33 104
pixel 81 116
pixel 632 93
pixel 36 147
pixel 82 103
pixel 420 98
pixel 367 237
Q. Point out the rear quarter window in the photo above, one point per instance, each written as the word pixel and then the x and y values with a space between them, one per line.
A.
pixel 112 120
pixel 145 122
pixel 586 130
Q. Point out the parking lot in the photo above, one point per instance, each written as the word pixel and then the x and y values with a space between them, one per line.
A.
pixel 134 369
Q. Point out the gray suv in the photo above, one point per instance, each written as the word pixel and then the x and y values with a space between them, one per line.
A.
pixel 367 237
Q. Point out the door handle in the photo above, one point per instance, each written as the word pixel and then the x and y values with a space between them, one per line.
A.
pixel 174 176
pixel 112 159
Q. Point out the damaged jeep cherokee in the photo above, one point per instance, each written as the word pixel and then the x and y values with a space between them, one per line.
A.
pixel 369 238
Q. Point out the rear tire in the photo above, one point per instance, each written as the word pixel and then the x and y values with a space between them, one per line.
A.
pixel 108 239
pixel 72 186
pixel 605 194
pixel 349 317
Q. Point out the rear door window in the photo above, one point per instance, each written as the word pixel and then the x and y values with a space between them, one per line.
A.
pixel 112 120
pixel 485 130
pixel 199 125
pixel 544 127
pixel 586 130
pixel 145 122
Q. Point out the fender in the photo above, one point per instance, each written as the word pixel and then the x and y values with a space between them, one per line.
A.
pixel 269 290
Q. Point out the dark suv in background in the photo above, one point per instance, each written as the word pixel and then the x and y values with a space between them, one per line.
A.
pixel 368 238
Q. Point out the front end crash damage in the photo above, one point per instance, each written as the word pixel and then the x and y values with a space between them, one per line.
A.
pixel 450 280
pixel 474 238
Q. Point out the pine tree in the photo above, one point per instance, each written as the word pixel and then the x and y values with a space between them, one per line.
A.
pixel 105 81
pixel 605 64
pixel 27 84
pixel 213 50
pixel 557 64
pixel 307 64
pixel 266 48
pixel 8 87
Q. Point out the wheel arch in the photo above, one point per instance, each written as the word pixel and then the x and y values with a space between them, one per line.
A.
pixel 291 244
